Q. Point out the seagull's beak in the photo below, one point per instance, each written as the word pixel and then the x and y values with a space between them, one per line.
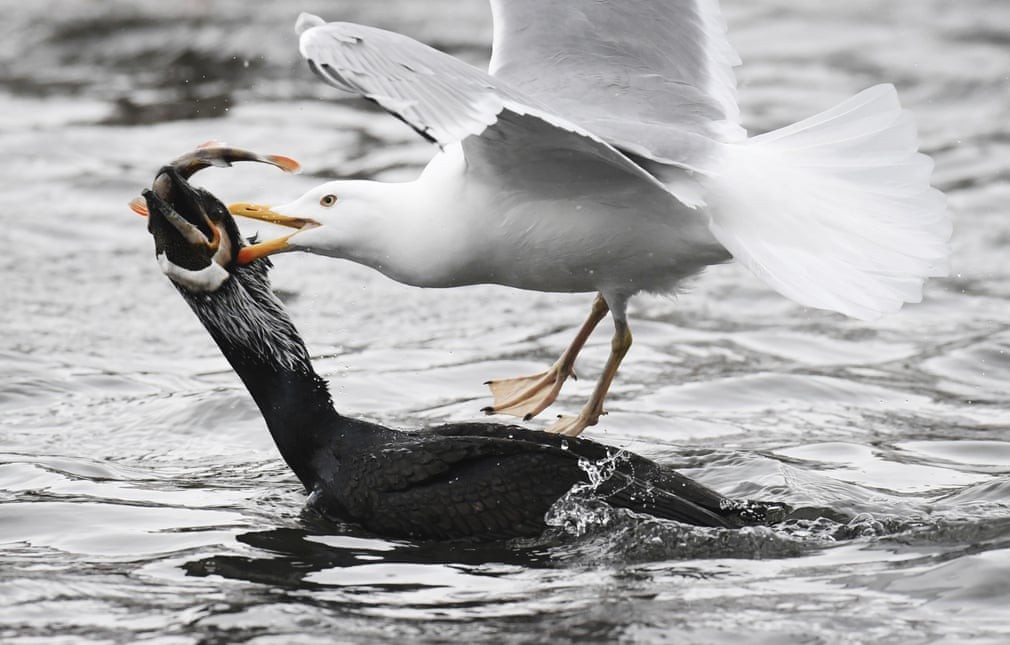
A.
pixel 259 250
pixel 265 214
pixel 254 252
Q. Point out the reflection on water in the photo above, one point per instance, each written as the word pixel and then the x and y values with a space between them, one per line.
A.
pixel 141 497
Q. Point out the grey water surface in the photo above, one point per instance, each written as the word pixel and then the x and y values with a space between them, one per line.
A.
pixel 141 499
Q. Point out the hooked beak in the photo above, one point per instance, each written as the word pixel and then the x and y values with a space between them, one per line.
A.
pixel 263 213
pixel 179 237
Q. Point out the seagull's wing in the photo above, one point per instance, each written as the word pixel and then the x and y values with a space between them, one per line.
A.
pixel 447 101
pixel 651 77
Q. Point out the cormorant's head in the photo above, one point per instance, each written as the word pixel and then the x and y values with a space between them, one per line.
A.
pixel 196 240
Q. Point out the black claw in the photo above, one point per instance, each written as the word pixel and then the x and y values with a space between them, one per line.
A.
pixel 527 417
pixel 487 410
pixel 488 382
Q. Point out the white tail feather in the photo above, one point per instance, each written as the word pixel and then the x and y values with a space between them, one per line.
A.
pixel 836 211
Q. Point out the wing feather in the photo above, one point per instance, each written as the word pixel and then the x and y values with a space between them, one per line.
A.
pixel 444 99
pixel 614 66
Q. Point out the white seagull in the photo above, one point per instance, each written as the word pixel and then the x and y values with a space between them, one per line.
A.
pixel 603 152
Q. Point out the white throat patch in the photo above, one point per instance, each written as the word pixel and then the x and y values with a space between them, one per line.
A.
pixel 205 280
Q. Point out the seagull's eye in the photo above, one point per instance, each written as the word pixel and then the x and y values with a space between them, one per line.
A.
pixel 328 200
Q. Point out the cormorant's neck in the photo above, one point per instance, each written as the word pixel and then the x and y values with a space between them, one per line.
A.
pixel 258 338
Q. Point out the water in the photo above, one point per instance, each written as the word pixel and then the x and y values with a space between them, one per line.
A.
pixel 142 500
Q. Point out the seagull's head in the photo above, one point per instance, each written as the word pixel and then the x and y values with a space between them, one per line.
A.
pixel 340 218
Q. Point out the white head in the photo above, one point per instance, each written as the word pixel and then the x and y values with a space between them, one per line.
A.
pixel 350 219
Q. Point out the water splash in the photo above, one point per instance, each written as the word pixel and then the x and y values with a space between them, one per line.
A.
pixel 580 510
pixel 603 469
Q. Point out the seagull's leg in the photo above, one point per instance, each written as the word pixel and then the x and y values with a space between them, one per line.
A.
pixel 528 396
pixel 593 410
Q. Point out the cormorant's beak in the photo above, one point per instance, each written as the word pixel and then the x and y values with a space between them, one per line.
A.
pixel 190 239
pixel 264 213
pixel 192 229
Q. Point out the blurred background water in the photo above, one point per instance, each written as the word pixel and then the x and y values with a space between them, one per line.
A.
pixel 141 498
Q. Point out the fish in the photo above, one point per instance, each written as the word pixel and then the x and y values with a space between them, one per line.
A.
pixel 207 155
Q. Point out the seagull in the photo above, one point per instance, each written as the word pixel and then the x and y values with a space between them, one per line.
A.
pixel 602 152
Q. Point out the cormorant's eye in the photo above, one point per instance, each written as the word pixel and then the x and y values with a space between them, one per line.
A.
pixel 328 200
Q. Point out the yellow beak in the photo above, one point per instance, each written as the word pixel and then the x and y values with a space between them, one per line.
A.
pixel 254 252
pixel 263 213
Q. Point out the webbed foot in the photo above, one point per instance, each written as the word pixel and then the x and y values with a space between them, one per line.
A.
pixel 527 396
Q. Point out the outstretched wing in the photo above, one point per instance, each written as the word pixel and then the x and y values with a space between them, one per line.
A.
pixel 651 77
pixel 446 100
